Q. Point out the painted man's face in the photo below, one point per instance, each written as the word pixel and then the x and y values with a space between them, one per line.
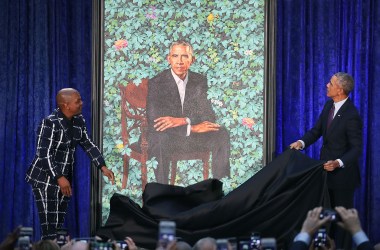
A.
pixel 180 59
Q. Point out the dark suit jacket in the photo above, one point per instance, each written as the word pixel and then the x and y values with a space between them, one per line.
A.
pixel 55 149
pixel 164 100
pixel 343 140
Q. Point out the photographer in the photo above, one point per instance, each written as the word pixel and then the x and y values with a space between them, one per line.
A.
pixel 350 222
pixel 10 241
pixel 20 238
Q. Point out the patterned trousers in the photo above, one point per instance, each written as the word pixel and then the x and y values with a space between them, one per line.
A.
pixel 52 206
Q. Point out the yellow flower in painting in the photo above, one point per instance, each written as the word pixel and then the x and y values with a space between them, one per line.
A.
pixel 120 146
pixel 210 18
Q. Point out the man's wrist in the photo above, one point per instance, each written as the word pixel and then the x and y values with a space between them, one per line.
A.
pixel 187 121
pixel 58 176
pixel 304 237
pixel 359 237
pixel 302 144
pixel 341 164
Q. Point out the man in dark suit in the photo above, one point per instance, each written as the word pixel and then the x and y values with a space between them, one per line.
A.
pixel 180 116
pixel 349 221
pixel 340 126
pixel 50 172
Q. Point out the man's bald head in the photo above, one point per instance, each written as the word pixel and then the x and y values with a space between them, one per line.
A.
pixel 64 96
pixel 69 102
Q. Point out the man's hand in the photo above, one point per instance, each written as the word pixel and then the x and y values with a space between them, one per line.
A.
pixel 296 145
pixel 350 219
pixel 331 165
pixel 313 222
pixel 65 186
pixel 109 174
pixel 204 127
pixel 165 122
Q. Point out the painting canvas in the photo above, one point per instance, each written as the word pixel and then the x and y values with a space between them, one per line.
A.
pixel 228 42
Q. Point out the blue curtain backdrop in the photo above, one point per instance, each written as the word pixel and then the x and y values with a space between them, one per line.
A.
pixel 44 46
pixel 316 39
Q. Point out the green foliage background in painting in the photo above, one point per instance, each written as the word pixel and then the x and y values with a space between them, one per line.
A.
pixel 228 40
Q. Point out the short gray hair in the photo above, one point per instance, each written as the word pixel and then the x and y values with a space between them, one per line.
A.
pixel 207 243
pixel 346 81
pixel 182 43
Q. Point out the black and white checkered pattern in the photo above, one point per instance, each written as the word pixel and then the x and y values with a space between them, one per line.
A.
pixel 55 158
pixel 52 206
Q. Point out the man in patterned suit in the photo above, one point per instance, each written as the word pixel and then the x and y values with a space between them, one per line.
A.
pixel 180 116
pixel 51 170
pixel 340 126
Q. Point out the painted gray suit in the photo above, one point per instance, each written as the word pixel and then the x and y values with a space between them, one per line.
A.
pixel 164 100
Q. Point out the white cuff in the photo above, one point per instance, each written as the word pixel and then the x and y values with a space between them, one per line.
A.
pixel 359 238
pixel 188 121
pixel 304 237
pixel 340 163
pixel 303 144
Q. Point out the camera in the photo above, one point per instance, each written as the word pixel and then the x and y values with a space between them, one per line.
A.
pixel 244 245
pixel 320 238
pixel 268 244
pixel 122 245
pixel 95 245
pixel 255 242
pixel 329 212
pixel 24 239
pixel 166 233
pixel 222 244
pixel 62 236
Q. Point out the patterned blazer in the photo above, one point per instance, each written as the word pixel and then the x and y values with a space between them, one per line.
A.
pixel 55 149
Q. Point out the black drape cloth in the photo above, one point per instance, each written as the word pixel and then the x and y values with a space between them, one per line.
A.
pixel 274 202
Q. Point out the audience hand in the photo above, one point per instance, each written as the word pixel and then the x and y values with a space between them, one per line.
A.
pixel 312 222
pixel 10 241
pixel 330 245
pixel 131 243
pixel 350 219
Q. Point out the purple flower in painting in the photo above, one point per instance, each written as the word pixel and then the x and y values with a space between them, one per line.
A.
pixel 151 13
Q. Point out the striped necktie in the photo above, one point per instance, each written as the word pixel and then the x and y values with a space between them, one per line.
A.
pixel 331 116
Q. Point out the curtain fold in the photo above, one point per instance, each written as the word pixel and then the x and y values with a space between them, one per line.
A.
pixel 44 46
pixel 316 39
